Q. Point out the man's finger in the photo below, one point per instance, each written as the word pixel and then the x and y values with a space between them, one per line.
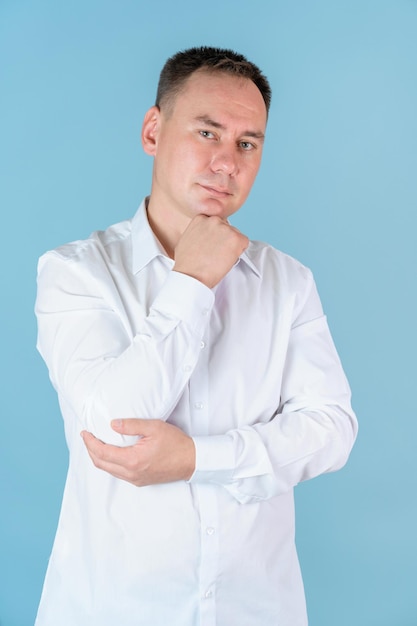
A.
pixel 103 451
pixel 132 426
pixel 122 463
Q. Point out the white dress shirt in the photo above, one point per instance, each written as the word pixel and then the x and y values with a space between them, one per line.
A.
pixel 248 369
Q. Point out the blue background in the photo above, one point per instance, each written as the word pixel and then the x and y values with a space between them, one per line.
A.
pixel 337 189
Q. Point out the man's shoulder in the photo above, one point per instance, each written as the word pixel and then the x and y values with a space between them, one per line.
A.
pixel 267 259
pixel 98 242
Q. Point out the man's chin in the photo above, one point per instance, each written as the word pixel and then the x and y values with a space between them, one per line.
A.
pixel 214 206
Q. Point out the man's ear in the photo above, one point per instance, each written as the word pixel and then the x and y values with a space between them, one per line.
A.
pixel 150 129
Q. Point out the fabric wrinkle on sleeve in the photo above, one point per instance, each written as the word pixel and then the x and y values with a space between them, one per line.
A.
pixel 174 300
pixel 311 433
pixel 95 363
pixel 236 458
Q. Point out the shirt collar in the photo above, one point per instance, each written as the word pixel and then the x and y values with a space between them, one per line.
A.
pixel 146 246
pixel 246 257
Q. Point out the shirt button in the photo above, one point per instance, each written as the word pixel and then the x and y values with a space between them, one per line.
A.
pixel 208 593
pixel 202 345
pixel 187 368
pixel 205 311
pixel 198 405
pixel 210 530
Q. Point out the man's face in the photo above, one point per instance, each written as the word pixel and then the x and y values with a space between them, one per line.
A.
pixel 207 148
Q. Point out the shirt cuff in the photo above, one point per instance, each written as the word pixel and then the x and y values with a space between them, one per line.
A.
pixel 215 459
pixel 185 298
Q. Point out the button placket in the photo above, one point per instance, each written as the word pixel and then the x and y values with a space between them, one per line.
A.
pixel 209 564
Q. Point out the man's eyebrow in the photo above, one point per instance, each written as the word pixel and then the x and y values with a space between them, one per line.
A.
pixel 205 119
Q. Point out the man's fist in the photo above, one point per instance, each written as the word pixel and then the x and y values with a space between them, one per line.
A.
pixel 208 249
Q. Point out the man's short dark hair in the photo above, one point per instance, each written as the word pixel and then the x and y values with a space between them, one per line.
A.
pixel 181 65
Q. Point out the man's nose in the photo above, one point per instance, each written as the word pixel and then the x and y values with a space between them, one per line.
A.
pixel 225 160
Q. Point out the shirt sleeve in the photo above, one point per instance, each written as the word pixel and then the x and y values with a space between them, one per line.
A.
pixel 311 433
pixel 100 369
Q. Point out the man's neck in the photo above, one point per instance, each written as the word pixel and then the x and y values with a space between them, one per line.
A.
pixel 164 226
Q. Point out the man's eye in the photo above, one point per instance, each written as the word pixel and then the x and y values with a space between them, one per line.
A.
pixel 206 133
pixel 246 145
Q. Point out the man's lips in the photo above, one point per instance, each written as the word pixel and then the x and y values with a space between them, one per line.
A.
pixel 217 191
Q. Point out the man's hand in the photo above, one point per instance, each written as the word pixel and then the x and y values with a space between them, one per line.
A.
pixel 163 454
pixel 208 249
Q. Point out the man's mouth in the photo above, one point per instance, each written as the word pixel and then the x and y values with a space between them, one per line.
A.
pixel 219 192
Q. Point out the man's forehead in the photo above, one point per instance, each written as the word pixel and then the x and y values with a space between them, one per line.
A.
pixel 205 78
pixel 207 94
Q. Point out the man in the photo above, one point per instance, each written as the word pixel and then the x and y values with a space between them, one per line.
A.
pixel 200 371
